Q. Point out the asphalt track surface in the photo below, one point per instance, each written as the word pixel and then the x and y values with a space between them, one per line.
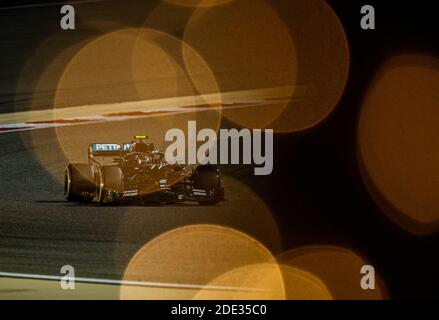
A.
pixel 40 231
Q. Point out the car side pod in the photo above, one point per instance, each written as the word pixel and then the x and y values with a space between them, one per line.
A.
pixel 110 184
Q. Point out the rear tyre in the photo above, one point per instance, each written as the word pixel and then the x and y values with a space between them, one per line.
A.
pixel 79 183
pixel 208 178
pixel 110 184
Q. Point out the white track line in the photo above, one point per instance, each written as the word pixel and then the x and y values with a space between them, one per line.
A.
pixel 127 282
pixel 90 114
pixel 161 104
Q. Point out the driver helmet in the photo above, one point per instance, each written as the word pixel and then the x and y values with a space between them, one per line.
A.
pixel 140 144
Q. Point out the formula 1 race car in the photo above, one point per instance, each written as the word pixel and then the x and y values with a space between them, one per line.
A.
pixel 136 171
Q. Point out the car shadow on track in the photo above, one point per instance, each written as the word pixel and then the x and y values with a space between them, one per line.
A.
pixel 123 205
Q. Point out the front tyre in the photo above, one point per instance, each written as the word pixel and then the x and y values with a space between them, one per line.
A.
pixel 79 182
pixel 208 178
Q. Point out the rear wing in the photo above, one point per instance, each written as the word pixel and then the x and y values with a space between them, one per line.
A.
pixel 108 149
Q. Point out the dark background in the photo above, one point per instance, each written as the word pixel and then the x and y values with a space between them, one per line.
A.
pixel 323 165
pixel 316 172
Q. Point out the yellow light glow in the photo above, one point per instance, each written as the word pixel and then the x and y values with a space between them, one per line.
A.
pixel 337 268
pixel 398 146
pixel 193 255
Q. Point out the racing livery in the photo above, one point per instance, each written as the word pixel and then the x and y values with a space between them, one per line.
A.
pixel 137 171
